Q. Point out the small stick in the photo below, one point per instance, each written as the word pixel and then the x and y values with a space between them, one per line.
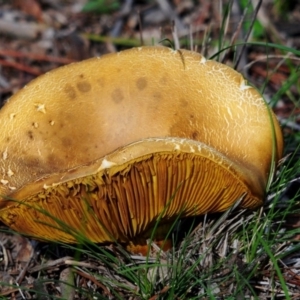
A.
pixel 34 56
pixel 20 67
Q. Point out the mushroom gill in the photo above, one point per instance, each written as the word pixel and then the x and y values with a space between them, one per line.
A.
pixel 121 196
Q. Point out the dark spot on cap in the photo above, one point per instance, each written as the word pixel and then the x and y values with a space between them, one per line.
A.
pixel 183 103
pixel 83 86
pixel 195 135
pixel 30 134
pixel 141 83
pixel 66 142
pixel 32 161
pixel 70 91
pixel 157 96
pixel 8 139
pixel 117 95
pixel 53 161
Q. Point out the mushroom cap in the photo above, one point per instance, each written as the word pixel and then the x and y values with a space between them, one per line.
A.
pixel 71 118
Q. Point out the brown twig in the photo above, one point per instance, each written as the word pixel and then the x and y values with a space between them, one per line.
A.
pixel 50 264
pixel 163 291
pixel 20 67
pixel 34 56
pixel 94 280
pixel 15 290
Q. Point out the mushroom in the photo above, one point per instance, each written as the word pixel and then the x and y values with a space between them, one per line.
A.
pixel 110 145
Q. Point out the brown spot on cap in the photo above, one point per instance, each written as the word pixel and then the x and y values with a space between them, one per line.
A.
pixel 53 161
pixel 141 83
pixel 70 91
pixel 83 86
pixel 117 95
pixel 195 134
pixel 183 103
pixel 66 141
pixel 32 162
pixel 157 96
pixel 30 134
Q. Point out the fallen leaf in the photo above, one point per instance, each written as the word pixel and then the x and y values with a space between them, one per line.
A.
pixel 30 7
